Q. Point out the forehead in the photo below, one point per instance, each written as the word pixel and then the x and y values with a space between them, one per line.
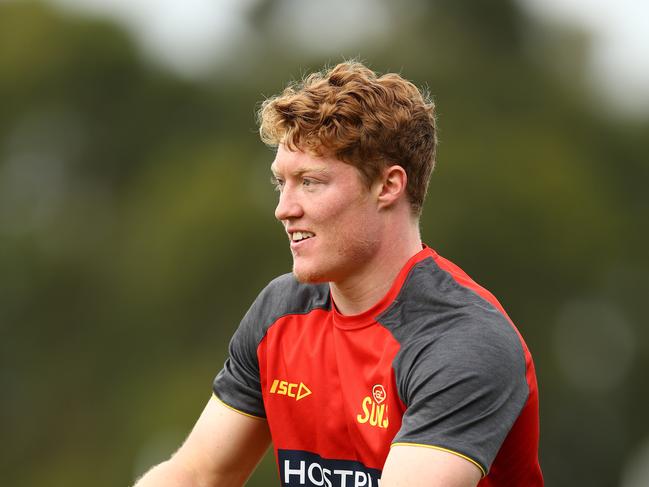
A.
pixel 289 162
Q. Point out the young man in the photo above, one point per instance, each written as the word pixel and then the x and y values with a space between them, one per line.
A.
pixel 376 358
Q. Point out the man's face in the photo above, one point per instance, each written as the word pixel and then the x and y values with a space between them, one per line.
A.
pixel 329 214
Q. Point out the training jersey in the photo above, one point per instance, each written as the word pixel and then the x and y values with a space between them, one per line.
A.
pixel 436 363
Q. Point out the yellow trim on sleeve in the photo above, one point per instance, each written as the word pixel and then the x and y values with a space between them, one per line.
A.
pixel 482 470
pixel 214 396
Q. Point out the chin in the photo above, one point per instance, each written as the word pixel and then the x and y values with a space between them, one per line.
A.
pixel 310 275
pixel 306 277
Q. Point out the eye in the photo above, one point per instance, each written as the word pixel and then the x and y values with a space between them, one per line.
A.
pixel 277 183
pixel 309 183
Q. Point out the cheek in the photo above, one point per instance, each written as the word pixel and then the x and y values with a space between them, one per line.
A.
pixel 355 232
pixel 343 218
pixel 332 214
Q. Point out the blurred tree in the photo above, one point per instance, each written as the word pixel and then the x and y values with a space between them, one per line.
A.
pixel 136 224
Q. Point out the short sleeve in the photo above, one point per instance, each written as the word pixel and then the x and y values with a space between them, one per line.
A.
pixel 238 383
pixel 463 390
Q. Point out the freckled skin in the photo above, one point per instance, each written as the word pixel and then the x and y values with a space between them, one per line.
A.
pixel 327 197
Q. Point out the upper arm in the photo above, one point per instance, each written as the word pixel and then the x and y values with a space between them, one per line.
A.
pixel 224 446
pixel 463 390
pixel 418 466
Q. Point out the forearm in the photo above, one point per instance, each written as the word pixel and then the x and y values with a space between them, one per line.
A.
pixel 174 473
pixel 168 474
pixel 221 451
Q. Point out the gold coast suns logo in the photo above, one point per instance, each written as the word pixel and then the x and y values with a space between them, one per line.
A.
pixel 375 411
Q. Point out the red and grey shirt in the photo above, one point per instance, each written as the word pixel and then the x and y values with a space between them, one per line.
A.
pixel 436 363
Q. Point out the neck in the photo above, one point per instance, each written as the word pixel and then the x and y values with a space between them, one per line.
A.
pixel 361 291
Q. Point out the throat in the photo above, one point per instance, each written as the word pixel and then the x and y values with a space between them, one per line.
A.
pixel 353 299
pixel 361 291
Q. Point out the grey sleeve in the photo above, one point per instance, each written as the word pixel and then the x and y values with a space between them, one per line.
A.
pixel 238 384
pixel 463 389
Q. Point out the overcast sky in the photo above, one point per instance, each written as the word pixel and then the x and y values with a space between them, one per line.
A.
pixel 191 34
pixel 620 54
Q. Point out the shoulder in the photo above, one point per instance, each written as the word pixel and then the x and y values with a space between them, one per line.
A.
pixel 286 295
pixel 434 293
pixel 448 325
pixel 438 301
pixel 283 296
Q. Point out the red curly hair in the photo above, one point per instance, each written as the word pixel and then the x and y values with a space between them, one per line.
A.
pixel 360 118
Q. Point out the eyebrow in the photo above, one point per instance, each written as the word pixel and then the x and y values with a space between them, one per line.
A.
pixel 304 169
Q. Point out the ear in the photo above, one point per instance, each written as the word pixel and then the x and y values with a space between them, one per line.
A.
pixel 391 186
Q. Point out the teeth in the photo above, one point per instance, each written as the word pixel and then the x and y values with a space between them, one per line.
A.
pixel 297 236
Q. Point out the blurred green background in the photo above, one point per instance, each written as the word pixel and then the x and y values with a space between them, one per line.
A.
pixel 136 221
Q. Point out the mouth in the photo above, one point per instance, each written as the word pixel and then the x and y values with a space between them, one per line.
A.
pixel 295 237
pixel 300 239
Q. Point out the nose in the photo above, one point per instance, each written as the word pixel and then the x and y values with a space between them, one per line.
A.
pixel 288 206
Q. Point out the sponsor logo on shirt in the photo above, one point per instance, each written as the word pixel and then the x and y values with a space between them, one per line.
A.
pixel 374 412
pixel 303 468
pixel 290 389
